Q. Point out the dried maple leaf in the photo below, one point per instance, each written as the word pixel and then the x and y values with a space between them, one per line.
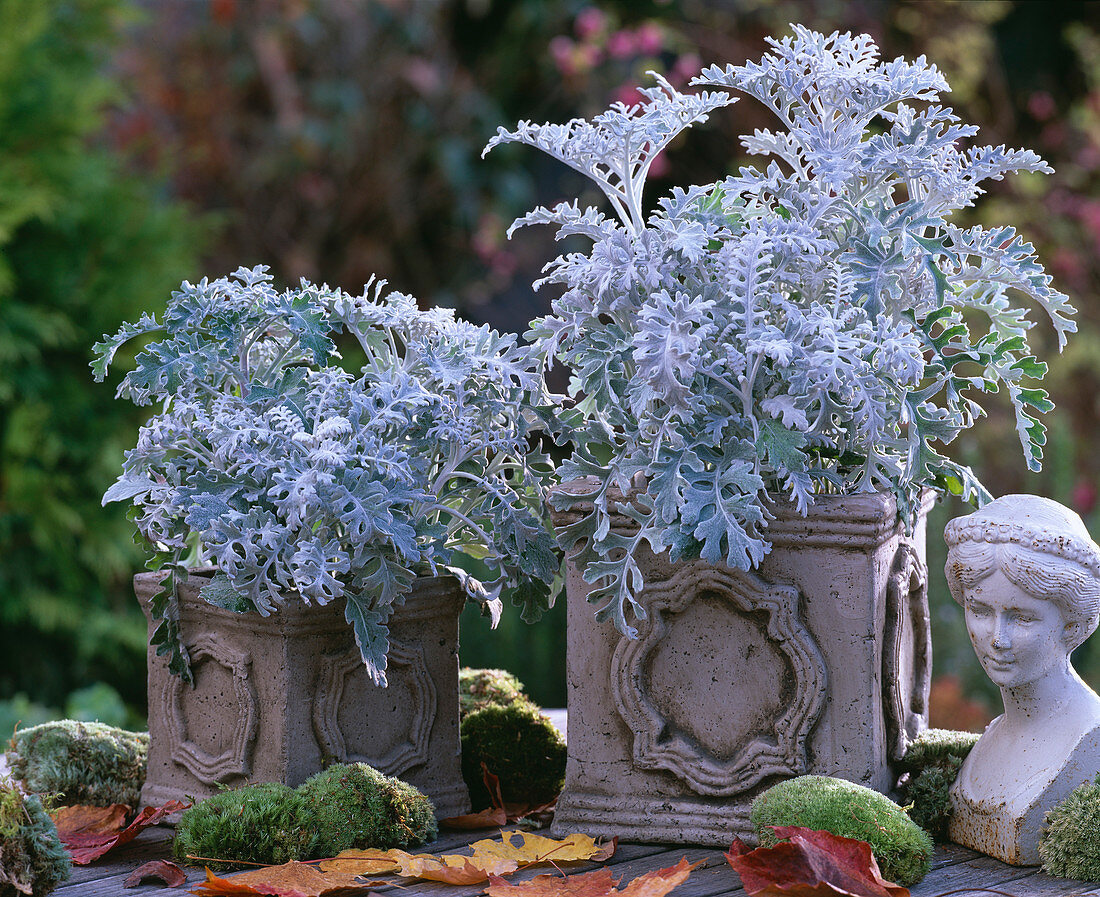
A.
pixel 535 849
pixel 88 836
pixel 487 858
pixel 594 884
pixel 453 869
pixel 811 864
pixel 289 880
pixel 166 872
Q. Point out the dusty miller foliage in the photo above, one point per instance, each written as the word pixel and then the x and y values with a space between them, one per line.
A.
pixel 811 324
pixel 297 477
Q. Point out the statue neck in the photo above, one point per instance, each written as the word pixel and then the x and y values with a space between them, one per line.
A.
pixel 1048 697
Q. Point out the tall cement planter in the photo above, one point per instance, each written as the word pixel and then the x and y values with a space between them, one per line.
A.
pixel 818 662
pixel 278 698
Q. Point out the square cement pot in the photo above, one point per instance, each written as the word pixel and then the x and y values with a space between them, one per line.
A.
pixel 818 662
pixel 276 699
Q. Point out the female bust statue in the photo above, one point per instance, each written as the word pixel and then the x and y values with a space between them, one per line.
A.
pixel 1028 577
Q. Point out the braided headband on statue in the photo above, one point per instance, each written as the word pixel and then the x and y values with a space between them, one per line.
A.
pixel 1052 529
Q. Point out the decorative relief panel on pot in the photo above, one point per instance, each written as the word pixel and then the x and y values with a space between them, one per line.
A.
pixel 724 683
pixel 344 731
pixel 212 753
pixel 906 650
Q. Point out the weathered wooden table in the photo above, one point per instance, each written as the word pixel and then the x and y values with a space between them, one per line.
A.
pixel 957 871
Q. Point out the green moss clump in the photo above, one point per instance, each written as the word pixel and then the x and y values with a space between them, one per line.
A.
pixel 266 823
pixel 928 795
pixel 520 746
pixel 354 805
pixel 82 762
pixel 481 688
pixel 901 847
pixel 32 859
pixel 346 805
pixel 936 747
pixel 930 768
pixel 1068 845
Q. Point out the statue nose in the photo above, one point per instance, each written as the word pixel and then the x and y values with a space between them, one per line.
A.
pixel 1001 635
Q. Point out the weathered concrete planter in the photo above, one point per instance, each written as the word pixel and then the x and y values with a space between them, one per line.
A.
pixel 818 663
pixel 277 698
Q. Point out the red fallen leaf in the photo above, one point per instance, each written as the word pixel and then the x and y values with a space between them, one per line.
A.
pixel 88 844
pixel 811 864
pixel 594 884
pixel 162 870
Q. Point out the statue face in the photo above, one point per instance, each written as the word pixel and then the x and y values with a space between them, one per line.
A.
pixel 1018 638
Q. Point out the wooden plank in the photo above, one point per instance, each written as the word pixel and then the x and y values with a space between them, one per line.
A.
pixel 152 844
pixel 985 874
pixel 950 854
pixel 954 869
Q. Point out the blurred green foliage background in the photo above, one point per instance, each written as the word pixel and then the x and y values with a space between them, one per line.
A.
pixel 145 143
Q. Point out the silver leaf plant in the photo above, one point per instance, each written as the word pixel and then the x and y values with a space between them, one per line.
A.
pixel 812 324
pixel 294 477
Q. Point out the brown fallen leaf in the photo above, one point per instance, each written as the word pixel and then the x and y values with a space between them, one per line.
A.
pixel 499 813
pixel 587 884
pixel 494 817
pixel 606 851
pixel 361 862
pixel 289 880
pixel 594 884
pixel 168 873
pixel 811 864
pixel 661 881
pixel 81 820
pixel 88 836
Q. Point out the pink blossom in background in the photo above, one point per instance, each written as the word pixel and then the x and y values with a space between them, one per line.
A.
pixel 424 75
pixel 588 56
pixel 562 52
pixel 1088 157
pixel 1067 266
pixel 1089 215
pixel 660 167
pixel 621 44
pixel 685 68
pixel 1084 497
pixel 650 39
pixel 589 23
pixel 627 94
pixel 1054 135
pixel 489 246
pixel 1041 105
